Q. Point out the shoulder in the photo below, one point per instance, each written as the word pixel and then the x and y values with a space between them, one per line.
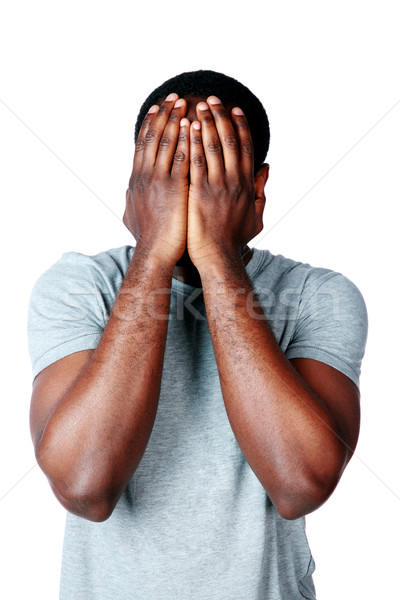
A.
pixel 79 284
pixel 315 312
pixel 70 303
pixel 77 269
pixel 307 281
pixel 108 261
pixel 278 271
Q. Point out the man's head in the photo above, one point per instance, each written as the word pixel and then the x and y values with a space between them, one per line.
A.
pixel 201 84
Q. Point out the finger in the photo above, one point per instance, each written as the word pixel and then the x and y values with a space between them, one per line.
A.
pixel 180 165
pixel 140 143
pixel 211 142
pixel 198 167
pixel 155 131
pixel 246 155
pixel 226 134
pixel 169 139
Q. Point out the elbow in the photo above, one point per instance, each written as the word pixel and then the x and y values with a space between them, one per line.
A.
pixel 88 506
pixel 298 503
pixel 307 493
pixel 95 511
pixel 297 507
pixel 79 496
pixel 79 490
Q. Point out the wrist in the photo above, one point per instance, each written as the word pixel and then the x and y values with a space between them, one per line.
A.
pixel 153 258
pixel 145 260
pixel 221 264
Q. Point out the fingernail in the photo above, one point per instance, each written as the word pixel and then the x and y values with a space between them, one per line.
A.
pixel 237 111
pixel 179 103
pixel 170 97
pixel 153 109
pixel 202 106
pixel 213 100
pixel 196 125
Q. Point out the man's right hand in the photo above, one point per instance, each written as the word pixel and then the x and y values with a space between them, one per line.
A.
pixel 157 197
pixel 93 411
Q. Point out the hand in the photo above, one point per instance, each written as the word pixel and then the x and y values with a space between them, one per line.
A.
pixel 156 200
pixel 226 202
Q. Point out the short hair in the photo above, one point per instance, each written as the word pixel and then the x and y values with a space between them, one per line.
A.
pixel 207 83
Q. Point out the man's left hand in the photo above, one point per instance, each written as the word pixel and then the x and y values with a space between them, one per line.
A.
pixel 225 207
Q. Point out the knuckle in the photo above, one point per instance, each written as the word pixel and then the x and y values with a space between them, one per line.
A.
pixel 183 137
pixel 165 142
pixel 180 156
pixel 199 160
pixel 236 189
pixel 139 183
pixel 147 120
pixel 150 136
pixel 247 149
pixel 220 113
pixel 197 139
pixel 162 110
pixel 208 118
pixel 241 123
pixel 213 145
pixel 230 140
pixel 174 116
pixel 139 145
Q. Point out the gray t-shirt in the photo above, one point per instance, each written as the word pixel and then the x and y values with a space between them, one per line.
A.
pixel 194 523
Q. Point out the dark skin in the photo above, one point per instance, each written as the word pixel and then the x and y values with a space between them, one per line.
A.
pixel 185 269
pixel 92 412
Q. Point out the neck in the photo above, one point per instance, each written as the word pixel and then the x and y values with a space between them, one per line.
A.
pixel 186 272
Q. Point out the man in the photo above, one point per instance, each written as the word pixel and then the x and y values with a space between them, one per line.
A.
pixel 193 399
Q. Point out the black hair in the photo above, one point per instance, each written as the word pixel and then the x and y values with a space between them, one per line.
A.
pixel 207 83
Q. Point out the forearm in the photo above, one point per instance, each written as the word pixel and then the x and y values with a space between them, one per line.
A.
pixel 95 437
pixel 285 431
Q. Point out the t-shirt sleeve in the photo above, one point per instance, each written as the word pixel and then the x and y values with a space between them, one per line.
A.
pixel 331 325
pixel 64 314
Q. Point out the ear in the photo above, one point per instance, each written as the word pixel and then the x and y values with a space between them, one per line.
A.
pixel 260 179
pixel 127 197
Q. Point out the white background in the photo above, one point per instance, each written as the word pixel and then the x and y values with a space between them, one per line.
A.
pixel 72 78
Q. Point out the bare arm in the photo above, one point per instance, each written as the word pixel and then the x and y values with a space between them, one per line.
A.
pixel 297 437
pixel 92 413
pixel 296 432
